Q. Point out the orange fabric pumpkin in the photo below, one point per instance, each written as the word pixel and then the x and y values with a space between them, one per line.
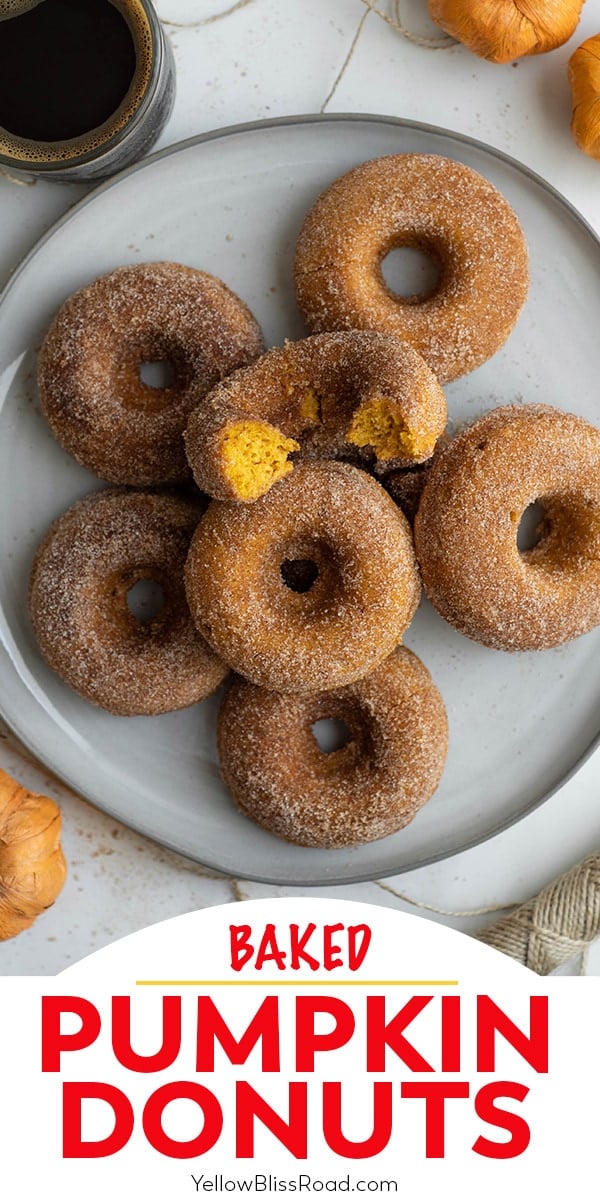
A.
pixel 32 864
pixel 584 77
pixel 502 30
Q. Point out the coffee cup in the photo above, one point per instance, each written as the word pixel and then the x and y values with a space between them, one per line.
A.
pixel 86 86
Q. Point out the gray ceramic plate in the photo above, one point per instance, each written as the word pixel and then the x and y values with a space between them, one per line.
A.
pixel 231 202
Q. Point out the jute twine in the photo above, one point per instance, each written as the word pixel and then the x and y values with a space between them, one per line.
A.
pixel 560 922
pixel 442 42
pixel 544 933
pixel 563 920
pixel 228 12
pixel 445 912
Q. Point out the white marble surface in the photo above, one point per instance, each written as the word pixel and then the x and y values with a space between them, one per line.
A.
pixel 272 58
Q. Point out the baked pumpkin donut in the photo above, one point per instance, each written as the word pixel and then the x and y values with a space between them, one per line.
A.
pixel 370 787
pixel 441 207
pixel 327 396
pixel 311 586
pixel 90 385
pixel 88 562
pixel 405 486
pixel 467 522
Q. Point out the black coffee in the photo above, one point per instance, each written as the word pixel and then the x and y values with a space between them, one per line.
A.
pixel 65 67
pixel 86 86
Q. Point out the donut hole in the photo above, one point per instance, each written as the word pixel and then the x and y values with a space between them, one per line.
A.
pixel 341 733
pixel 152 373
pixel 532 527
pixel 146 600
pixel 563 532
pixel 413 273
pixel 331 734
pixel 159 373
pixel 307 574
pixel 299 574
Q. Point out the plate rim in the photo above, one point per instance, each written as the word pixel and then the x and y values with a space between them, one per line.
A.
pixel 226 131
pixel 13 722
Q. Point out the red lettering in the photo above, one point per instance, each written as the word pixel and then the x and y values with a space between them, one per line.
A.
pixel 533 1047
pixel 298 941
pixel 382 1122
pixel 211 1026
pixel 331 950
pixel 381 1035
pixel 211 1114
pixel 308 1043
pixel 171 1035
pixel 241 946
pixel 250 1106
pixel 268 950
pixel 450 1033
pixel 73 1143
pixel 518 1129
pixel 359 940
pixel 243 951
pixel 435 1095
pixel 53 1041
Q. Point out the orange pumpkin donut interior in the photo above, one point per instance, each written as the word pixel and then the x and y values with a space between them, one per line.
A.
pixel 91 390
pixel 330 396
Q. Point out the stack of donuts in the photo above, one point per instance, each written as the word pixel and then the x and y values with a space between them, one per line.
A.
pixel 270 495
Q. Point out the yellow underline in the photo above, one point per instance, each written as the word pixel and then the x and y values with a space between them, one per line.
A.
pixel 296 982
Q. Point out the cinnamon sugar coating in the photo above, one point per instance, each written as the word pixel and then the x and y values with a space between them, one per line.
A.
pixel 470 511
pixel 371 787
pixel 327 396
pixel 82 572
pixel 405 486
pixel 89 366
pixel 343 618
pixel 441 207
